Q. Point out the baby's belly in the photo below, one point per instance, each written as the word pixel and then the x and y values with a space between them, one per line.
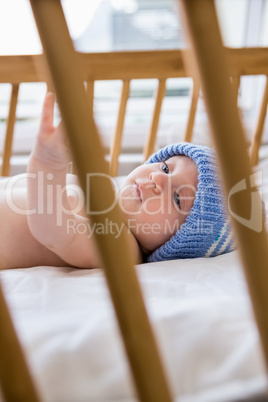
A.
pixel 18 248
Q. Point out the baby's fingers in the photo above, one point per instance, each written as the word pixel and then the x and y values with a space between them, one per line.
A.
pixel 47 115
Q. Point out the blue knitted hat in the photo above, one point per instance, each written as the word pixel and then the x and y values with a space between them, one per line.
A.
pixel 207 230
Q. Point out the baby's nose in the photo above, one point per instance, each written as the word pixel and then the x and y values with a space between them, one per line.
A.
pixel 159 180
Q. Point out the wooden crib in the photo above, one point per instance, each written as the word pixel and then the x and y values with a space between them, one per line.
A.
pixel 87 68
pixel 127 66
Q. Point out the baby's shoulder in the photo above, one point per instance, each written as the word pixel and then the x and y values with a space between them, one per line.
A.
pixel 135 248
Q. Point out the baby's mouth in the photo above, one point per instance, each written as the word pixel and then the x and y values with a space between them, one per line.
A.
pixel 138 191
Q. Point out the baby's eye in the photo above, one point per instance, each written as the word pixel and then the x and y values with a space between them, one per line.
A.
pixel 177 199
pixel 165 168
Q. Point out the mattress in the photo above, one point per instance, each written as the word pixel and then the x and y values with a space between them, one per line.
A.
pixel 200 312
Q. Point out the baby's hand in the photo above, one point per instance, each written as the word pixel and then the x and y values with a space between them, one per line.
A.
pixel 51 146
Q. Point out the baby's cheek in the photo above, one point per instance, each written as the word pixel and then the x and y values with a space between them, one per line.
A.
pixel 156 205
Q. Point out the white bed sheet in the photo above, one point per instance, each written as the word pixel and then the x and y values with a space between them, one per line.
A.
pixel 200 311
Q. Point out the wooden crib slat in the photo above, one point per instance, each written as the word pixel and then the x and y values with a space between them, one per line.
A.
pixel 118 133
pixel 90 94
pixel 191 117
pixel 15 378
pixel 164 64
pixel 232 151
pixel 257 137
pixel 149 147
pixel 236 85
pixel 5 168
pixel 87 150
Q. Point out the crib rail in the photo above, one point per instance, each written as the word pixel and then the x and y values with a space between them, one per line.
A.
pixel 161 64
pixel 126 66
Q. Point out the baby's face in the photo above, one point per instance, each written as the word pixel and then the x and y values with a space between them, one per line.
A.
pixel 156 198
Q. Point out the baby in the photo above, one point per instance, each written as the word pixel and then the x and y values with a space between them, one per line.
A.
pixel 172 205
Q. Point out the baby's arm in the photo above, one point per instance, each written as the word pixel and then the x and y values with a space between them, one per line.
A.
pixel 50 217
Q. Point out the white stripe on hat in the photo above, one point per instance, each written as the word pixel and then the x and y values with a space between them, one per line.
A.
pixel 226 243
pixel 216 242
